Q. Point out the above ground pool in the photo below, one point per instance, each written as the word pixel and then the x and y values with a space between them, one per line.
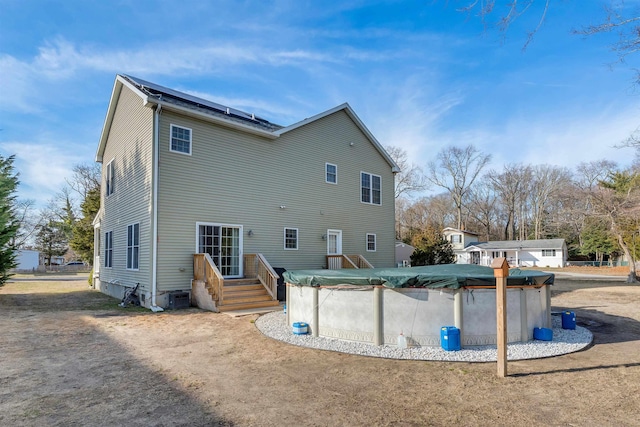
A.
pixel 377 305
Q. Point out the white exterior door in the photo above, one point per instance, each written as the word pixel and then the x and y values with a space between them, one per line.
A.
pixel 334 242
pixel 223 242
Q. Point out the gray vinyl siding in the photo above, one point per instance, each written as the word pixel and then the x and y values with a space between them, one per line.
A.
pixel 236 178
pixel 129 145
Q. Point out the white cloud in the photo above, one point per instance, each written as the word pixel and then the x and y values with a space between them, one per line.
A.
pixel 42 167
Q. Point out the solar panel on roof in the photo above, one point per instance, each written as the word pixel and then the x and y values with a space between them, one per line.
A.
pixel 194 99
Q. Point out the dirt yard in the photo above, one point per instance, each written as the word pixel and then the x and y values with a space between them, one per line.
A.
pixel 69 356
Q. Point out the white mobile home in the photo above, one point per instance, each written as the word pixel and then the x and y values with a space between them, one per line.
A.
pixel 520 253
pixel 27 260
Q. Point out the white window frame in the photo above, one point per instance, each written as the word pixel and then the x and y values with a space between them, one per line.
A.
pixel 456 238
pixel 239 256
pixel 326 173
pixel 375 242
pixel 548 252
pixel 370 190
pixel 181 140
pixel 109 179
pixel 133 246
pixel 297 239
pixel 108 249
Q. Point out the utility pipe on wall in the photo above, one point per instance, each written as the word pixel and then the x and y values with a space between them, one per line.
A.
pixel 154 253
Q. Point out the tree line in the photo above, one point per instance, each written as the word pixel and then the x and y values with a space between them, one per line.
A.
pixel 64 226
pixel 595 207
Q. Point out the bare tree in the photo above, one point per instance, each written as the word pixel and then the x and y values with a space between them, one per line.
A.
pixel 579 200
pixel 86 177
pixel 589 174
pixel 617 199
pixel 482 209
pixel 547 183
pixel 618 17
pixel 456 169
pixel 436 211
pixel 410 179
pixel 29 220
pixel 507 12
pixel 624 21
pixel 510 186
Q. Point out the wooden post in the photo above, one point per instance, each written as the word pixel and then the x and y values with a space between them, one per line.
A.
pixel 501 272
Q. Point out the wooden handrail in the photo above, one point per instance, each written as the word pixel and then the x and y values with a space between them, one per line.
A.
pixel 360 261
pixel 336 262
pixel 256 265
pixel 205 269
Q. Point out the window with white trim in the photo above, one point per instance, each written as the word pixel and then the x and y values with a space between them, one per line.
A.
pixel 548 252
pixel 291 239
pixel 370 188
pixel 133 246
pixel 331 173
pixel 108 249
pixel 109 178
pixel 371 242
pixel 180 140
pixel 456 238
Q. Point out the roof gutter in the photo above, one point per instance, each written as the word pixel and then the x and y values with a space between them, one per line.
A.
pixel 203 116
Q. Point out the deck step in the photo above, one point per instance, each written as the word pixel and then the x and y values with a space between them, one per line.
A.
pixel 248 305
pixel 232 293
pixel 236 299
pixel 242 288
pixel 244 294
pixel 240 282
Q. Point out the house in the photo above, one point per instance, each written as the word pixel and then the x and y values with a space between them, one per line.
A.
pixel 55 260
pixel 459 240
pixel 403 254
pixel 197 194
pixel 520 253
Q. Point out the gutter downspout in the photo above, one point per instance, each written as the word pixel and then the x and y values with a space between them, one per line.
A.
pixel 154 252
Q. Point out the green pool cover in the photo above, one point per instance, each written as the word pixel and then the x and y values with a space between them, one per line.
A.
pixel 452 276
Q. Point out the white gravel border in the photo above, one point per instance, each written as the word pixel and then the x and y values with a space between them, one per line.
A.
pixel 564 341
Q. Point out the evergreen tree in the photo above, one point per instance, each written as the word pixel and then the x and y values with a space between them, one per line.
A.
pixel 82 237
pixel 431 248
pixel 51 240
pixel 8 222
pixel 598 240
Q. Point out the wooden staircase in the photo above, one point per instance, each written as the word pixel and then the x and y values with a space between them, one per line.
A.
pixel 245 294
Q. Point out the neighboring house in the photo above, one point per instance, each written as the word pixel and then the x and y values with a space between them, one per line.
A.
pixel 459 240
pixel 27 259
pixel 55 260
pixel 403 254
pixel 520 253
pixel 183 176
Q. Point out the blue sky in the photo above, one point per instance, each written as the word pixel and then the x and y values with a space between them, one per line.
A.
pixel 420 74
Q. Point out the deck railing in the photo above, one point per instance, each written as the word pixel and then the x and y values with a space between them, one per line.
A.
pixel 256 265
pixel 337 262
pixel 204 269
pixel 360 261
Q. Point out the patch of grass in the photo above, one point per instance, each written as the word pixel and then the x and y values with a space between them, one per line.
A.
pixel 48 295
